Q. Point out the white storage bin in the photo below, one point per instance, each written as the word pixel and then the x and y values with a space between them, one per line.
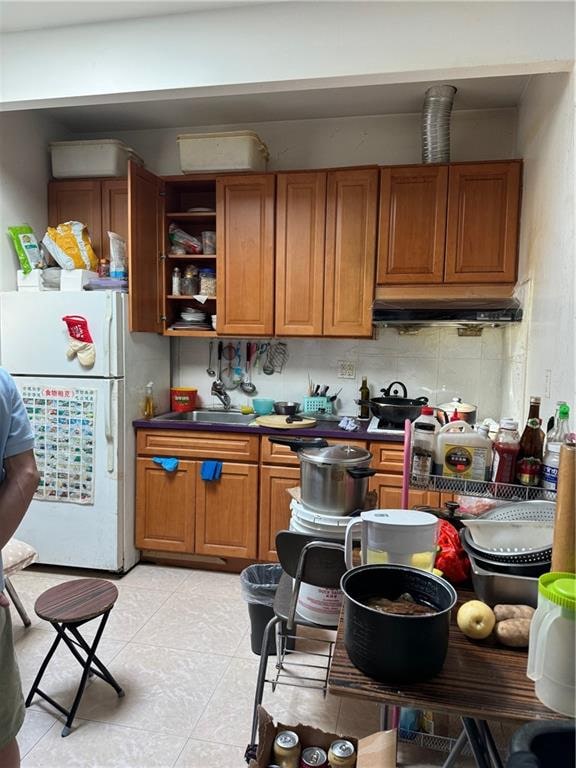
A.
pixel 33 281
pixel 76 279
pixel 100 157
pixel 232 151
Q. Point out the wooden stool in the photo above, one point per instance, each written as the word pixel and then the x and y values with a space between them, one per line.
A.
pixel 68 606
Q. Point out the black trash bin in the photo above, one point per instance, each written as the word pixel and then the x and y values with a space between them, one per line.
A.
pixel 259 584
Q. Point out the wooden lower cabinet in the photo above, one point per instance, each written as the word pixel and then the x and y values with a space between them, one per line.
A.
pixel 274 506
pixel 165 506
pixel 389 490
pixel 227 512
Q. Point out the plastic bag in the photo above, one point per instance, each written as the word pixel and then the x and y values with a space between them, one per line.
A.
pixel 179 237
pixel 26 247
pixel 260 582
pixel 118 262
pixel 69 244
pixel 451 560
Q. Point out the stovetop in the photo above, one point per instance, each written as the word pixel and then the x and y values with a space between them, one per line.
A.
pixel 383 427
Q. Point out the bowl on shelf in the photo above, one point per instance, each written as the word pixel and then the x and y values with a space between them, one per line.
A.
pixel 213 318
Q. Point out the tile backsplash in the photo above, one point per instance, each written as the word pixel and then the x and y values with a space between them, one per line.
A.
pixel 435 362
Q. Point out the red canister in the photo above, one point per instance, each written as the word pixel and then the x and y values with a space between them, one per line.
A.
pixel 183 398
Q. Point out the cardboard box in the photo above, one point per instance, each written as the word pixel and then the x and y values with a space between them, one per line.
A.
pixel 375 751
pixel 75 279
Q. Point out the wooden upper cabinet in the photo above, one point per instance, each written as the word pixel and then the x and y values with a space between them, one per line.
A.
pixel 145 244
pixel 350 252
pixel 300 223
pixel 245 263
pixel 483 212
pixel 77 200
pixel 114 211
pixel 412 230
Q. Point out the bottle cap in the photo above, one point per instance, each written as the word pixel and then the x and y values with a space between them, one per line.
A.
pixel 535 399
pixel 559 588
pixel 564 411
pixel 427 410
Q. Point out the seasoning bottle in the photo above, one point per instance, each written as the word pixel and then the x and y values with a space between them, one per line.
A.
pixel 149 401
pixel 422 454
pixel 176 281
pixel 189 283
pixel 364 397
pixel 103 267
pixel 555 438
pixel 506 447
pixel 427 417
pixel 531 453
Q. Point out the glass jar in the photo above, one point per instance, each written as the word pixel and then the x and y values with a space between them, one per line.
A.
pixel 189 286
pixel 207 282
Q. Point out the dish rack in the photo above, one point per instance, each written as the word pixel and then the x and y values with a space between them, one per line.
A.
pixel 312 405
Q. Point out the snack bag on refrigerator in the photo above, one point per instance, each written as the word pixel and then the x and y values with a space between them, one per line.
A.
pixel 69 244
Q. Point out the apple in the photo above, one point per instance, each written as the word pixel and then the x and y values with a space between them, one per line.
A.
pixel 475 619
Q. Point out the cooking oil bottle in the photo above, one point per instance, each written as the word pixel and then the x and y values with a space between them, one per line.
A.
pixel 462 452
pixel 149 401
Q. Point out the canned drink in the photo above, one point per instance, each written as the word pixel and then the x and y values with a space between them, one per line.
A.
pixel 342 754
pixel 287 749
pixel 313 757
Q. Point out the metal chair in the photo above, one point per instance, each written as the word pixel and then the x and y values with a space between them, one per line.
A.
pixel 312 561
pixel 17 555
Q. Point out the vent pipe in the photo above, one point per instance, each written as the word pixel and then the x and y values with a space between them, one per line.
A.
pixel 438 102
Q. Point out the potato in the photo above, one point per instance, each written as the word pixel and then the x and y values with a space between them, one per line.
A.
pixel 513 632
pixel 503 612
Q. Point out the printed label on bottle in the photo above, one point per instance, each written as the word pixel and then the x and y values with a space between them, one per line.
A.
pixel 549 477
pixel 533 423
pixel 529 471
pixel 466 462
pixel 421 469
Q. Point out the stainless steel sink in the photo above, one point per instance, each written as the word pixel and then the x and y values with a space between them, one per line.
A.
pixel 206 416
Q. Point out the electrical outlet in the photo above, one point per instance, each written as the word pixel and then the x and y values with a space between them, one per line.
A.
pixel 346 369
pixel 547 382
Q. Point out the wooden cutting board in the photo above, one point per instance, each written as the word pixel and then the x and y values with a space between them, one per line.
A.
pixel 279 422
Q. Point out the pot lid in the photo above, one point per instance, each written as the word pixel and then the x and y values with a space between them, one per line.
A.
pixel 457 404
pixel 348 455
pixel 399 517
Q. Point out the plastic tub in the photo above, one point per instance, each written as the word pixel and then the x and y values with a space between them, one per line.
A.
pixel 228 151
pixel 183 398
pixel 91 158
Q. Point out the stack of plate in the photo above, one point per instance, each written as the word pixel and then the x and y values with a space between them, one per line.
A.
pixel 196 318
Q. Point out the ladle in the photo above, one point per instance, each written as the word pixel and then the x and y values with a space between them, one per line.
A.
pixel 247 386
pixel 210 371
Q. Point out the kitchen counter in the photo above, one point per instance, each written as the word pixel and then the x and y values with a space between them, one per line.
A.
pixel 328 429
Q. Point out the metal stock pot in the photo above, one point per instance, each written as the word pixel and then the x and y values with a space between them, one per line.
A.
pixel 333 478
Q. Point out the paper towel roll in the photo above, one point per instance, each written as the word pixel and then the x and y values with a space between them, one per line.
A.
pixel 564 544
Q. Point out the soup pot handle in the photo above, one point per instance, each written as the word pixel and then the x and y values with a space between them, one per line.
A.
pixel 296 444
pixel 359 472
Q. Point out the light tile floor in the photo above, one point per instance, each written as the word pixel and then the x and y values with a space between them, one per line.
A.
pixel 178 641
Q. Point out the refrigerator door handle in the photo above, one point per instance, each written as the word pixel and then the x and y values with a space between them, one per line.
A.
pixel 108 427
pixel 108 332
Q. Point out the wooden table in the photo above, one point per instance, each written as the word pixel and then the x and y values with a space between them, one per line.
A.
pixel 480 681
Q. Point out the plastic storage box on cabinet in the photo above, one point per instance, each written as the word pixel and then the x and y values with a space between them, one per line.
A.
pixel 91 158
pixel 229 151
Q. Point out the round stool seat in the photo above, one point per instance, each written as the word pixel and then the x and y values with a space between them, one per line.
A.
pixel 76 600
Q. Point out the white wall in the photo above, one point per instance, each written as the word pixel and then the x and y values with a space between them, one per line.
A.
pixel 394 139
pixel 314 44
pixel 24 174
pixel 541 354
pixel 435 363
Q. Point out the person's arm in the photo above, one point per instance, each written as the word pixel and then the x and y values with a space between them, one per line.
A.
pixel 16 492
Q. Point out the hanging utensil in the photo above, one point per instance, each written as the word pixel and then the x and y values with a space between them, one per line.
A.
pixel 229 378
pixel 268 367
pixel 246 384
pixel 210 371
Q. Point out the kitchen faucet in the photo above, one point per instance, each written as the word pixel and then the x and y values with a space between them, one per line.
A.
pixel 220 392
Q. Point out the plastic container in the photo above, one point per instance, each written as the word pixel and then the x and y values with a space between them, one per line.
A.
pixel 99 157
pixel 304 520
pixel 227 151
pixel 550 467
pixel 506 447
pixel 552 645
pixel 207 278
pixel 422 454
pixel 427 417
pixel 183 398
pixel 263 406
pixel 461 452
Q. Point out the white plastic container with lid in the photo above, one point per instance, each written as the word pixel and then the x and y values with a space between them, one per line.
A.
pixel 225 151
pixel 552 644
pixel 91 158
pixel 427 417
pixel 422 454
pixel 462 452
pixel 550 467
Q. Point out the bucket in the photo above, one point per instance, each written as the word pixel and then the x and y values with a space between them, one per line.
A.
pixel 324 526
pixel 183 398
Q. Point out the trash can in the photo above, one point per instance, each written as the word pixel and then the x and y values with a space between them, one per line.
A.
pixel 259 584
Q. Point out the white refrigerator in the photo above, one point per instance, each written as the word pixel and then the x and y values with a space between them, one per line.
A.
pixel 83 512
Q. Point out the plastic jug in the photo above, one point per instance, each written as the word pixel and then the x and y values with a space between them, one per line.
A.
pixel 462 452
pixel 400 536
pixel 552 650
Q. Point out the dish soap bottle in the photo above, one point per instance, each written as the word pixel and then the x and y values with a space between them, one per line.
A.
pixel 149 401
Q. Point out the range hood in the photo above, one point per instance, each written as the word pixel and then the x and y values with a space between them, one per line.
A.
pixel 488 314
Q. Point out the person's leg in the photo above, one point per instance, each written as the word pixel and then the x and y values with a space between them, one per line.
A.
pixel 10 755
pixel 11 702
